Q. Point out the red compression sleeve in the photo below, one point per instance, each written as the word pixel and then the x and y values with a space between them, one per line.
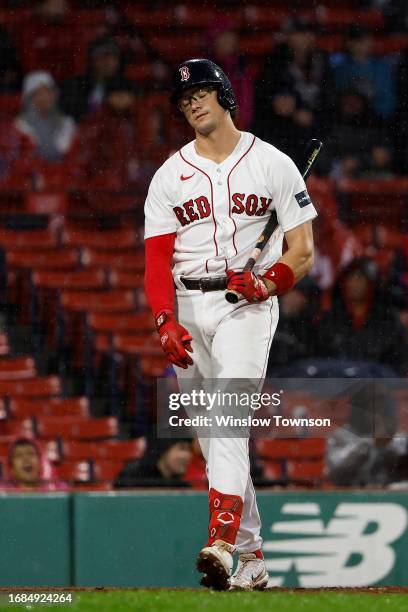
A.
pixel 159 284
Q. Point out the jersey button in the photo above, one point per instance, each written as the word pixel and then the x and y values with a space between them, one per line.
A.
pixel 218 169
pixel 219 183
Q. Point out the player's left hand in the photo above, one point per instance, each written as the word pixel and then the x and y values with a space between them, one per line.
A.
pixel 250 285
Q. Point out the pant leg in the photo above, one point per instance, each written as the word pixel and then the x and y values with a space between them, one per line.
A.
pixel 249 538
pixel 240 350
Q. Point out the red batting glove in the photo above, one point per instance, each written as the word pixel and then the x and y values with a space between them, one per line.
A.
pixel 251 286
pixel 174 339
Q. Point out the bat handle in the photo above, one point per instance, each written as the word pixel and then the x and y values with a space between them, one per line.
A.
pixel 233 296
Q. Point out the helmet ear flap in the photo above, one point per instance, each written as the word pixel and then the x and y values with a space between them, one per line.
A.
pixel 227 100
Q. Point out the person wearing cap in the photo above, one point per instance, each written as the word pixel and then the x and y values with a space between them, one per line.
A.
pixel 84 94
pixel 361 325
pixel 298 67
pixel 52 132
pixel 371 76
pixel 164 464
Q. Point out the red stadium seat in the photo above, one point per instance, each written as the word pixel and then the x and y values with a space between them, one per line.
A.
pixel 58 259
pixel 76 428
pixel 177 47
pixel 339 18
pixel 376 200
pixel 126 279
pixel 191 16
pixel 115 450
pixel 75 280
pixel 264 17
pixel 139 72
pixel 138 344
pixel 5 441
pixel 140 322
pixel 108 239
pixel 106 470
pixel 309 470
pixel 17 368
pixel 56 407
pixel 272 470
pixel 154 367
pixel 390 44
pixel 28 239
pixel 20 427
pixel 74 471
pixel 256 44
pixel 46 386
pixel 9 105
pixel 127 260
pixel 93 301
pixel 143 17
pixel 46 203
pixel 311 448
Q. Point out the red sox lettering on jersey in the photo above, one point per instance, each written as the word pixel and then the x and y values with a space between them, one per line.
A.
pixel 219 210
pixel 200 208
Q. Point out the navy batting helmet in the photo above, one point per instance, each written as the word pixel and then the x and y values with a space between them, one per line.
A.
pixel 196 72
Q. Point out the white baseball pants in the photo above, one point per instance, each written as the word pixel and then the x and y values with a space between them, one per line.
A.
pixel 230 341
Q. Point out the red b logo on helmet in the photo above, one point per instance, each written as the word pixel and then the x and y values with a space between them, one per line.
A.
pixel 185 73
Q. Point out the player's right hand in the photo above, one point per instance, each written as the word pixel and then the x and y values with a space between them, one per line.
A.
pixel 175 339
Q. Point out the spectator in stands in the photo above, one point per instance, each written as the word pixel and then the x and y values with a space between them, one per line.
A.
pixel 371 76
pixel 297 66
pixel 286 124
pixel 379 164
pixel 10 69
pixel 361 324
pixel 295 337
pixel 29 469
pixel 223 42
pixel 52 132
pixel 164 465
pixel 336 246
pixel 368 451
pixel 49 39
pixel 111 156
pixel 357 129
pixel 84 94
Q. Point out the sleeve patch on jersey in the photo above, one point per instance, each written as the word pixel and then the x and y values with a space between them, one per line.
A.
pixel 303 198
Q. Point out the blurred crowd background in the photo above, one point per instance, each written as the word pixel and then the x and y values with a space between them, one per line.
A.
pixel 84 123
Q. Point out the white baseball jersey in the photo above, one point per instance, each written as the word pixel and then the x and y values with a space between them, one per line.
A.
pixel 219 210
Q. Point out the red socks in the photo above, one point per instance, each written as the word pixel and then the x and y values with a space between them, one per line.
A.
pixel 225 517
pixel 258 553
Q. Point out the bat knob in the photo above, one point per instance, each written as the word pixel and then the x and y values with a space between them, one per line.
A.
pixel 231 297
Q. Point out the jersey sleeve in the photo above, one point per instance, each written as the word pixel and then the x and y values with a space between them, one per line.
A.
pixel 159 217
pixel 292 201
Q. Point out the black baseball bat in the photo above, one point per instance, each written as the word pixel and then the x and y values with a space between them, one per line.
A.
pixel 312 150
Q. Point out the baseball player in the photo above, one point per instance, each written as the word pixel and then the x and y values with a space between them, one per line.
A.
pixel 206 206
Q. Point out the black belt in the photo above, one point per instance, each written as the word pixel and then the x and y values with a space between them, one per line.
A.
pixel 207 283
